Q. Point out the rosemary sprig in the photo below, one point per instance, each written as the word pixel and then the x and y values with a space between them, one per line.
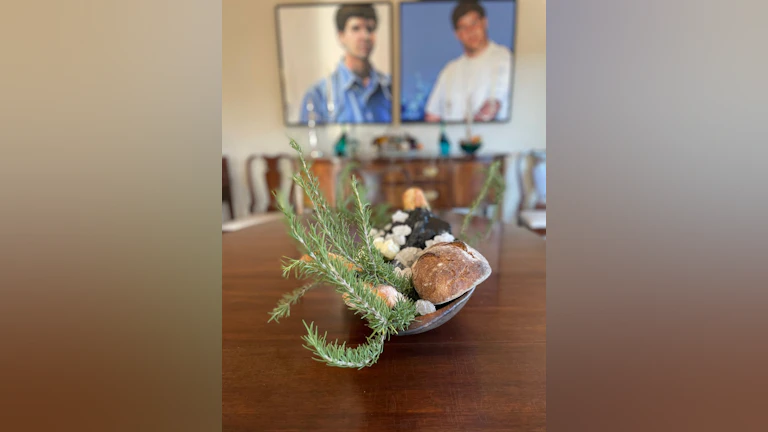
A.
pixel 352 269
pixel 494 182
pixel 283 308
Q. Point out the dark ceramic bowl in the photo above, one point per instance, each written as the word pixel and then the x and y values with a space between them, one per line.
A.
pixel 470 148
pixel 439 317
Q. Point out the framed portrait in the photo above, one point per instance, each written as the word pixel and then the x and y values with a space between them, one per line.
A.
pixel 457 60
pixel 335 62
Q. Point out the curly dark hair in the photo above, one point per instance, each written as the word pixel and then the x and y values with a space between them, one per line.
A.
pixel 463 8
pixel 359 10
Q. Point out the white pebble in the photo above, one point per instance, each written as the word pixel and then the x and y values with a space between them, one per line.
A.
pixel 408 255
pixel 441 238
pixel 401 230
pixel 424 307
pixel 388 248
pixel 400 240
pixel 399 216
pixel 406 273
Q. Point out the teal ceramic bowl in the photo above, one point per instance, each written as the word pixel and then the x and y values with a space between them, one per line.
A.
pixel 470 148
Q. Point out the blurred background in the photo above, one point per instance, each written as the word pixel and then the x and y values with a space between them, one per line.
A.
pixel 253 121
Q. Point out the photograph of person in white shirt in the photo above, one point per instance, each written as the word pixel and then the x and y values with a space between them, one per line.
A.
pixel 477 83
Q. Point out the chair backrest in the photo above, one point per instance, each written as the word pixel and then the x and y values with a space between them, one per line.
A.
pixel 531 179
pixel 226 188
pixel 273 178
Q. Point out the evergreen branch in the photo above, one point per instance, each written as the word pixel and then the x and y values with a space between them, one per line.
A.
pixel 333 271
pixel 283 204
pixel 326 219
pixel 283 308
pixel 337 355
pixel 380 214
pixel 345 178
pixel 336 226
pixel 362 298
pixel 333 257
pixel 401 316
pixel 494 182
pixel 382 272
pixel 363 217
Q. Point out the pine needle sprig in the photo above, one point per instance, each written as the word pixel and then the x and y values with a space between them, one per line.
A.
pixel 371 260
pixel 363 217
pixel 283 308
pixel 337 355
pixel 494 182
pixel 316 238
pixel 324 215
pixel 333 257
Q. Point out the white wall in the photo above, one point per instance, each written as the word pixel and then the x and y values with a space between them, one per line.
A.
pixel 252 117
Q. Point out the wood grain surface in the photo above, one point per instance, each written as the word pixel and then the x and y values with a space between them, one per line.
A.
pixel 485 370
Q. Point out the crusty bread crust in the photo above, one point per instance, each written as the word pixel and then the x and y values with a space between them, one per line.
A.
pixel 447 270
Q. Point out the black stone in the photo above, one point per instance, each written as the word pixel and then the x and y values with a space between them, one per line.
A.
pixel 424 226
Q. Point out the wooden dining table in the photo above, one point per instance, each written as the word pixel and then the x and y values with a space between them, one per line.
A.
pixel 484 370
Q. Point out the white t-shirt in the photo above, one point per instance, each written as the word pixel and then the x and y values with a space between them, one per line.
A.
pixel 486 76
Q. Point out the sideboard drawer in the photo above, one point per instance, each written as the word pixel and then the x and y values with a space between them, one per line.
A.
pixel 434 170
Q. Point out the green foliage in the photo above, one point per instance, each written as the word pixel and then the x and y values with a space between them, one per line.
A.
pixel 381 214
pixel 352 268
pixel 337 355
pixel 283 308
pixel 494 183
pixel 345 203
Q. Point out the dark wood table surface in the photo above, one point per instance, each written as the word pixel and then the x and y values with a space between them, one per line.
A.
pixel 484 370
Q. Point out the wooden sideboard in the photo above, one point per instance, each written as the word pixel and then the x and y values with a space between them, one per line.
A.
pixel 448 182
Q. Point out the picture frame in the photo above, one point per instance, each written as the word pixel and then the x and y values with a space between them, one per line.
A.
pixel 319 66
pixel 434 73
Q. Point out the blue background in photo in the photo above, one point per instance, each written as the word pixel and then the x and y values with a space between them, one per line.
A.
pixel 428 43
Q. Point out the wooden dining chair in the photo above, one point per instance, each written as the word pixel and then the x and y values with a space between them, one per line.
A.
pixel 273 179
pixel 531 179
pixel 226 187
